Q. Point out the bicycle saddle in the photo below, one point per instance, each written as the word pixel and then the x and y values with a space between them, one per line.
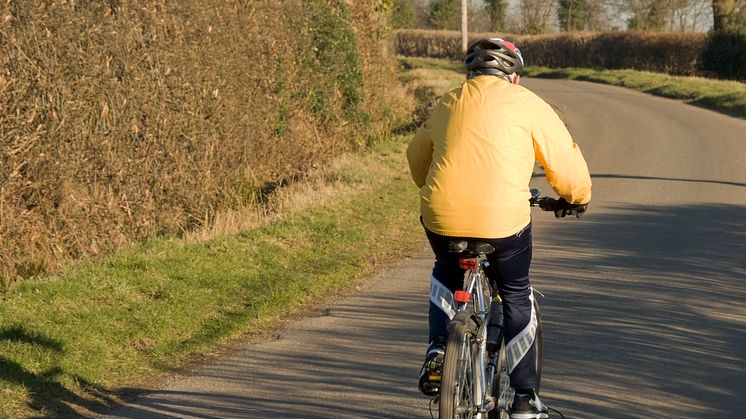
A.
pixel 474 246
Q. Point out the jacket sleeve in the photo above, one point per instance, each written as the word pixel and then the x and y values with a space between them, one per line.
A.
pixel 566 169
pixel 420 154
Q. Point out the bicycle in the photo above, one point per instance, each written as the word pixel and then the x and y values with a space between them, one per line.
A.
pixel 475 381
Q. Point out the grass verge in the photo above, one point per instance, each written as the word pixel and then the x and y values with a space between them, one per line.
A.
pixel 75 342
pixel 728 97
pixel 427 79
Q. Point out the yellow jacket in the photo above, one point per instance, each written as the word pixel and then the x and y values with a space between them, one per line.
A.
pixel 473 159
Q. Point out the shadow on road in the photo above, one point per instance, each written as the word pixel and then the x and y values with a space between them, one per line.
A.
pixel 47 395
pixel 644 316
pixel 671 179
pixel 645 312
pixel 335 374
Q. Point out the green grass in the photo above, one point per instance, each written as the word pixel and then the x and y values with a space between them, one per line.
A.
pixel 80 340
pixel 728 97
pixel 76 341
pixel 434 75
pixel 436 64
pixel 427 79
pixel 724 96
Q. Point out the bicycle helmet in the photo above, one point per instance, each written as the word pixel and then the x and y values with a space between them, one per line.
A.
pixel 486 55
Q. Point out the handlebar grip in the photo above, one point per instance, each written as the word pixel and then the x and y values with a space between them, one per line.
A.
pixel 548 204
pixel 560 207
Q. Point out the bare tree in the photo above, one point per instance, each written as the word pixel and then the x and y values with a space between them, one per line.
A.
pixel 479 17
pixel 647 15
pixel 572 14
pixel 445 14
pixel 658 15
pixel 589 15
pixel 672 15
pixel 536 15
pixel 598 17
pixel 688 15
pixel 497 10
pixel 403 14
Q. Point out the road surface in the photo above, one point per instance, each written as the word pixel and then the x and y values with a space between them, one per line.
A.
pixel 645 298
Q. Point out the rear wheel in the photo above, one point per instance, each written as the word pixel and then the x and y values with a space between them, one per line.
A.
pixel 456 388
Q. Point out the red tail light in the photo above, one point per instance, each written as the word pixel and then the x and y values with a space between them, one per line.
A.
pixel 468 263
pixel 461 296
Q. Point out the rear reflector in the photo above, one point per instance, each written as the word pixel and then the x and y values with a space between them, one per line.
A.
pixel 469 264
pixel 461 296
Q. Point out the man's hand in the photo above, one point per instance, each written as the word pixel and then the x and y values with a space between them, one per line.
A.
pixel 562 208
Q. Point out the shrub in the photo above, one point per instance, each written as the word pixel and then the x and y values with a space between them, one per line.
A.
pixel 725 55
pixel 689 54
pixel 121 120
pixel 428 43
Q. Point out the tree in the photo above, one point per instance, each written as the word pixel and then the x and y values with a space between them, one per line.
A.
pixel 479 17
pixel 402 14
pixel 535 15
pixel 445 14
pixel 673 15
pixel 579 15
pixel 648 15
pixel 497 10
pixel 729 15
pixel 688 15
pixel 597 15
pixel 572 14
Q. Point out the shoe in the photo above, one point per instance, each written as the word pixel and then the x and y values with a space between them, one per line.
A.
pixel 433 367
pixel 528 406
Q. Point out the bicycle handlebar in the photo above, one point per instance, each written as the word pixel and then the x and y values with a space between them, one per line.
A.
pixel 544 202
pixel 560 207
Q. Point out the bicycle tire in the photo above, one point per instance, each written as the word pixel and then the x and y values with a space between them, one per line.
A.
pixel 539 345
pixel 501 390
pixel 457 379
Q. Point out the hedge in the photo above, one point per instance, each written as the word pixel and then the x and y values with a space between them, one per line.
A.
pixel 688 54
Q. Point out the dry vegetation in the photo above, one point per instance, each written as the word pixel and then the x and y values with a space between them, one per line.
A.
pixel 687 54
pixel 124 119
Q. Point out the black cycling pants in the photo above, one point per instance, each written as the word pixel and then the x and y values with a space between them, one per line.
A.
pixel 509 266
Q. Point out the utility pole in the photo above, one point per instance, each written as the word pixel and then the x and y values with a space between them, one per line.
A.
pixel 464 20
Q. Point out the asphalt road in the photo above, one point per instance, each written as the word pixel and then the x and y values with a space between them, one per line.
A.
pixel 645 298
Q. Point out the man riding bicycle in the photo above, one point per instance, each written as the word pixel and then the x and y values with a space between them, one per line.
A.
pixel 473 160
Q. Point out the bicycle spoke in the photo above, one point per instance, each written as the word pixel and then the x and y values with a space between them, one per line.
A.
pixel 457 382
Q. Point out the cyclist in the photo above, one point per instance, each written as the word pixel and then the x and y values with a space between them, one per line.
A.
pixel 472 160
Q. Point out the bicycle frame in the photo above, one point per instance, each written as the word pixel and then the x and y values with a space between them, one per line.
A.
pixel 480 387
pixel 483 364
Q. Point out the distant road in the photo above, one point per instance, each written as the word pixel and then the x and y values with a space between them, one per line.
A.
pixel 645 298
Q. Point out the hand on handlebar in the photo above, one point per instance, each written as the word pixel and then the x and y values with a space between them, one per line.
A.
pixel 562 208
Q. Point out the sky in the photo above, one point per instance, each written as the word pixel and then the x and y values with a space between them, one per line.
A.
pixel 703 23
